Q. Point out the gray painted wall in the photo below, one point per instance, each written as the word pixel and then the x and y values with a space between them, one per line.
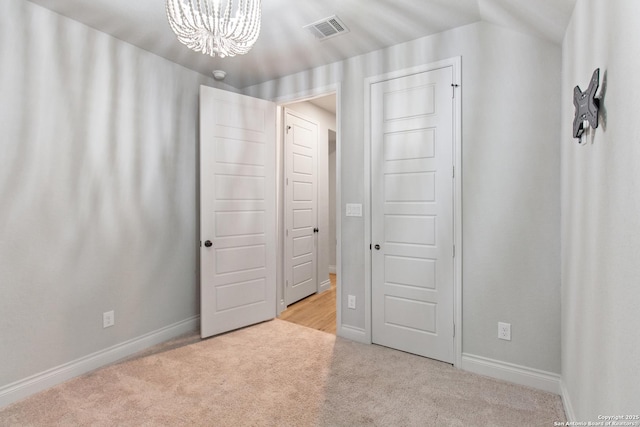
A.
pixel 601 216
pixel 511 177
pixel 97 190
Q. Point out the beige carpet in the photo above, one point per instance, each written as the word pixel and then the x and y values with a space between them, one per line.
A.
pixel 281 374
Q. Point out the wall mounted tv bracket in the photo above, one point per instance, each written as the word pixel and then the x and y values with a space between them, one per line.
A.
pixel 587 106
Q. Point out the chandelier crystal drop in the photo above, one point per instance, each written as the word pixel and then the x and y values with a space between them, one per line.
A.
pixel 209 27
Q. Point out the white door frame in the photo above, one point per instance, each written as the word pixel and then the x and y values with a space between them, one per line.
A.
pixel 456 64
pixel 281 103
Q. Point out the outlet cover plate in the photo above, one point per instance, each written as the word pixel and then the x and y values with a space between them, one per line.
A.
pixel 108 319
pixel 504 331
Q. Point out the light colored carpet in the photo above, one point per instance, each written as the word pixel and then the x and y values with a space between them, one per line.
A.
pixel 281 374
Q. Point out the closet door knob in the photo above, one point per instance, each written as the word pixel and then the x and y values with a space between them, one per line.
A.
pixel 377 247
pixel 208 243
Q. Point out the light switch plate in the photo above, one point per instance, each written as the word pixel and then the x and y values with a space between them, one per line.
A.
pixel 354 209
pixel 351 302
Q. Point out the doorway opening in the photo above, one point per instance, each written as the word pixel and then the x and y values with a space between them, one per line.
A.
pixel 308 212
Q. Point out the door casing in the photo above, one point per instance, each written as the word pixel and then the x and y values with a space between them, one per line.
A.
pixel 281 103
pixel 456 90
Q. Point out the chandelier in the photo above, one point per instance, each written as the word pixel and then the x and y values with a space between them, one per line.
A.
pixel 207 26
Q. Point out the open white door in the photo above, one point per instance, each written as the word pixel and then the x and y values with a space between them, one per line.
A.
pixel 237 211
pixel 301 210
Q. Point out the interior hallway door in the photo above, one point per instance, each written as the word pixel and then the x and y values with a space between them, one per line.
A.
pixel 237 211
pixel 301 183
pixel 412 213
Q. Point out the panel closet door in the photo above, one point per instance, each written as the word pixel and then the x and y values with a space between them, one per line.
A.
pixel 412 213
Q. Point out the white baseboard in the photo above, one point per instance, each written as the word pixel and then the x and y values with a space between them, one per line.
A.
pixel 566 402
pixel 51 377
pixel 325 286
pixel 332 269
pixel 353 333
pixel 535 378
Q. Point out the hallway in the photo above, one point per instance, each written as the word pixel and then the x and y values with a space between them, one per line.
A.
pixel 317 311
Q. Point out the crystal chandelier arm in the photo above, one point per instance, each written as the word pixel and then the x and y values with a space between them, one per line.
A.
pixel 208 13
pixel 226 21
pixel 183 27
pixel 244 31
pixel 248 32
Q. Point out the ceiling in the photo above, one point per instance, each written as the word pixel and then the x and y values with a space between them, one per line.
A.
pixel 327 103
pixel 284 47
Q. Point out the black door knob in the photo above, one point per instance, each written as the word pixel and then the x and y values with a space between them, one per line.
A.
pixel 208 243
pixel 315 230
pixel 377 247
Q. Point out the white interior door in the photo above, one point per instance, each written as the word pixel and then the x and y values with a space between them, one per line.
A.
pixel 301 182
pixel 237 211
pixel 412 213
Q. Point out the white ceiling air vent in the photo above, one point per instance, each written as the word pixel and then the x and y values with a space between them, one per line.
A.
pixel 327 28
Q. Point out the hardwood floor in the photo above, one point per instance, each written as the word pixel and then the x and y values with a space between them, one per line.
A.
pixel 317 311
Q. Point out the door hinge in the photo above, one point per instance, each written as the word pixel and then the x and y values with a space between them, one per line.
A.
pixel 287 232
pixel 453 87
pixel 287 282
pixel 453 173
pixel 454 330
pixel 287 181
pixel 454 251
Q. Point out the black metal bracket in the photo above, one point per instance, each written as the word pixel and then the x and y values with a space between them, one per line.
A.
pixel 587 105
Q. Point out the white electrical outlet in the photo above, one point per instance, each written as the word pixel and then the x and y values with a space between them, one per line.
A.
pixel 504 331
pixel 108 319
pixel 351 302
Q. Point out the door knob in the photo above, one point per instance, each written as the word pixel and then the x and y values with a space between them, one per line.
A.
pixel 315 230
pixel 208 243
pixel 377 247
